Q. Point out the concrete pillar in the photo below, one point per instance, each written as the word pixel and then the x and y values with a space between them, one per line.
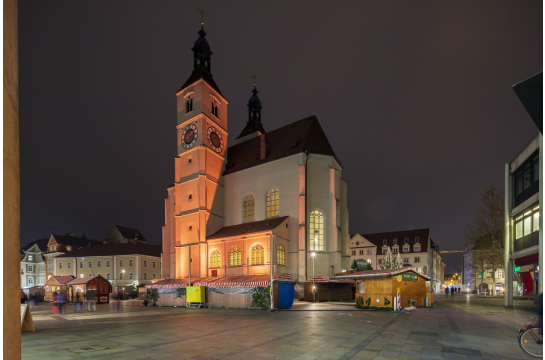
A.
pixel 11 243
pixel 508 246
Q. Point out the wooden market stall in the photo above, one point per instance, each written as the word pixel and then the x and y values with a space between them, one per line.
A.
pixel 328 289
pixel 56 284
pixel 390 289
pixel 99 285
pixel 234 292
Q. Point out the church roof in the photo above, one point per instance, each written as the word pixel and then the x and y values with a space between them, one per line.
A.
pixel 300 136
pixel 201 73
pixel 247 228
pixel 129 233
pixel 250 128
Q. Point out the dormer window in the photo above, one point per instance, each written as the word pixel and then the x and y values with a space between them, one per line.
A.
pixel 384 241
pixel 406 249
pixel 189 104
pixel 417 248
pixel 395 241
pixel 394 250
pixel 417 239
pixel 406 240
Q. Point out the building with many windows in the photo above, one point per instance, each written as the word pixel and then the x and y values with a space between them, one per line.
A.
pixel 523 214
pixel 33 264
pixel 121 264
pixel 267 202
pixel 363 249
pixel 416 249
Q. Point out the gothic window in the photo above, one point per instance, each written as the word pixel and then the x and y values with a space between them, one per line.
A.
pixel 215 259
pixel 189 104
pixel 316 231
pixel 272 203
pixel 249 208
pixel 281 255
pixel 215 108
pixel 257 255
pixel 235 257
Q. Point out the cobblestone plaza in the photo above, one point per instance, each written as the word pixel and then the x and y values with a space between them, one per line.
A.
pixel 463 327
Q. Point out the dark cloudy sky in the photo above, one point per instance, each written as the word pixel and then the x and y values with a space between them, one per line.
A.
pixel 414 96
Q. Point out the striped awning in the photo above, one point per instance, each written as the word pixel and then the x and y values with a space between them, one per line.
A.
pixel 323 279
pixel 222 282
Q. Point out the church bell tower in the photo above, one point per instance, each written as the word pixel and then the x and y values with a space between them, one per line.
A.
pixel 194 207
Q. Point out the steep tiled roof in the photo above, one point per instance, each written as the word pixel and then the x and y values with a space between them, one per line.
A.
pixel 74 241
pixel 42 245
pixel 300 136
pixel 247 228
pixel 423 234
pixel 129 233
pixel 201 73
pixel 115 249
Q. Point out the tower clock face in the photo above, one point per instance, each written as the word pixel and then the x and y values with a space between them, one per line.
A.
pixel 215 139
pixel 189 136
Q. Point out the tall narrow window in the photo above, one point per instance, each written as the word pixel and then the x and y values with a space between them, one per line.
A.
pixel 316 231
pixel 257 255
pixel 281 255
pixel 536 221
pixel 249 208
pixel 215 259
pixel 189 104
pixel 215 108
pixel 235 257
pixel 272 203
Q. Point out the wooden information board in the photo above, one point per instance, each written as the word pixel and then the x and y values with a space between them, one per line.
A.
pixel 26 318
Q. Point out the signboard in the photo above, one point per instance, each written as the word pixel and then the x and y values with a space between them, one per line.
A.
pixel 409 276
pixel 195 294
pixel 362 264
pixel 516 268
pixel 26 318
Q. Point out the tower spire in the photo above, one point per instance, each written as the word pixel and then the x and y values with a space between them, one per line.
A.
pixel 253 126
pixel 201 49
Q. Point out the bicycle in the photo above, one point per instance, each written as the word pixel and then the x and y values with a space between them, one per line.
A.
pixel 531 338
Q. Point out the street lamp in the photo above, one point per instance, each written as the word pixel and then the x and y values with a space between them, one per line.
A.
pixel 313 281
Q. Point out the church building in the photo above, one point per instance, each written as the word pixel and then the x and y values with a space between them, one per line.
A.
pixel 274 196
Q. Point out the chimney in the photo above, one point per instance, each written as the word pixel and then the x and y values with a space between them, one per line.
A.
pixel 263 147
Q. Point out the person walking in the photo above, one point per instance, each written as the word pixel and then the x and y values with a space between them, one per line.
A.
pixel 61 301
pixel 91 302
pixel 452 291
pixel 77 302
pixel 23 297
pixel 446 291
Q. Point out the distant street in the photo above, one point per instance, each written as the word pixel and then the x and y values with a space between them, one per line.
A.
pixel 463 327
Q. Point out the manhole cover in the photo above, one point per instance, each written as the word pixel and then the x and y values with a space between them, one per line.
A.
pixel 461 351
pixel 424 333
pixel 88 348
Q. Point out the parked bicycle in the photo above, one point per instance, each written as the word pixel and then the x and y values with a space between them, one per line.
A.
pixel 531 338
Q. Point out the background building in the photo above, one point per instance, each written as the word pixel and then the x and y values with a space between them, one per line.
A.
pixel 125 235
pixel 415 248
pixel 33 264
pixel 361 248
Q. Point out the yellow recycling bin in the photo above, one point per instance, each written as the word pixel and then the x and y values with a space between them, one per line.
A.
pixel 195 294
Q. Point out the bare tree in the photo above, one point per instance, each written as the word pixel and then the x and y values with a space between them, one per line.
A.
pixel 486 234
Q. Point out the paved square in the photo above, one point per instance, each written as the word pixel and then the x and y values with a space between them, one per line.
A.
pixel 463 327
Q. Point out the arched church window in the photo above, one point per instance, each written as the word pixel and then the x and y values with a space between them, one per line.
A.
pixel 235 257
pixel 215 108
pixel 257 255
pixel 249 208
pixel 215 259
pixel 316 231
pixel 189 105
pixel 272 203
pixel 281 255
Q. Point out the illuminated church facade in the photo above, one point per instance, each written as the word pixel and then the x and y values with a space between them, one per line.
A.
pixel 265 204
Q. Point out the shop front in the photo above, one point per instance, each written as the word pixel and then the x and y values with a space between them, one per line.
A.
pixel 526 271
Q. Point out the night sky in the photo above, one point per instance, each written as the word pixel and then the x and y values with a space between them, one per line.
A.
pixel 415 98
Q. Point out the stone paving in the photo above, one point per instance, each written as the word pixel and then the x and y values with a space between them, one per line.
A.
pixel 463 327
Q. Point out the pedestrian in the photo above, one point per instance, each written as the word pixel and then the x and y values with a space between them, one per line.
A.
pixel 77 302
pixel 91 302
pixel 23 297
pixel 452 289
pixel 61 301
pixel 459 290
pixel 118 304
pixel 446 291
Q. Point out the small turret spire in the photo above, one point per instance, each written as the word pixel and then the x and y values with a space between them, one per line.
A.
pixel 201 49
pixel 254 105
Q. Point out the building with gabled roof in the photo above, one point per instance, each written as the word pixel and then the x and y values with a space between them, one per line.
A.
pixel 33 264
pixel 126 235
pixel 262 205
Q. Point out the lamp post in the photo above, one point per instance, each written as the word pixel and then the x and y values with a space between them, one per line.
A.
pixel 313 281
pixel 123 283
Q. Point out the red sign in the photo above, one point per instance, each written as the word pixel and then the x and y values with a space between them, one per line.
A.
pixel 103 299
